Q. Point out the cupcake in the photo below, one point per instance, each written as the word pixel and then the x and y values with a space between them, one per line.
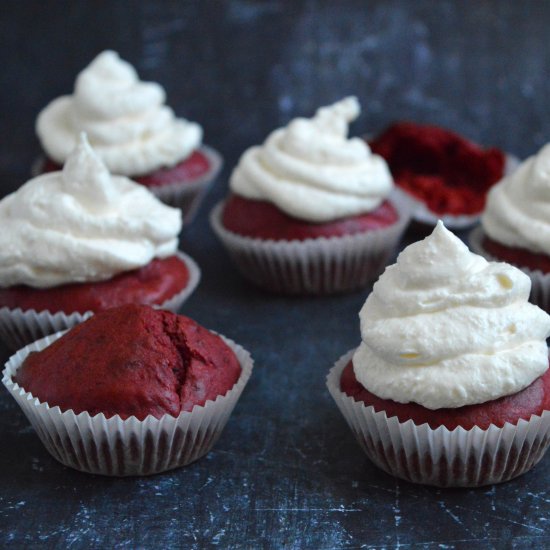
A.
pixel 132 130
pixel 153 398
pixel 80 240
pixel 515 226
pixel 450 385
pixel 442 174
pixel 309 211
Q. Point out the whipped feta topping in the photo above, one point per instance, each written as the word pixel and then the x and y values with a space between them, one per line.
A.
pixel 312 171
pixel 517 212
pixel 445 328
pixel 81 224
pixel 125 119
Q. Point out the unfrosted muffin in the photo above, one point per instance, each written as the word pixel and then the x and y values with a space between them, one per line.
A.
pixel 82 240
pixel 132 130
pixel 131 361
pixel 309 210
pixel 451 377
pixel 131 391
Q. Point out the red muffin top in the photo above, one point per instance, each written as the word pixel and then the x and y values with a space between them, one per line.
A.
pixel 534 399
pixel 132 361
pixel 263 220
pixel 450 174
pixel 517 256
pixel 152 284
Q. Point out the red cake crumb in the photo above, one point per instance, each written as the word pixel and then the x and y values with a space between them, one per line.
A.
pixel 517 256
pixel 448 173
pixel 263 220
pixel 532 400
pixel 187 171
pixel 154 283
pixel 131 360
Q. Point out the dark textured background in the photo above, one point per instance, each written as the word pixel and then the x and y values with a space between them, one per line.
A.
pixel 286 472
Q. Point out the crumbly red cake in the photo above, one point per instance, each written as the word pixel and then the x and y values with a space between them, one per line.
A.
pixel 154 283
pixel 517 256
pixel 450 174
pixel 131 360
pixel 187 171
pixel 532 400
pixel 263 220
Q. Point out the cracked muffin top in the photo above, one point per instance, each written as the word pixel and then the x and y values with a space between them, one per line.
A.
pixel 132 361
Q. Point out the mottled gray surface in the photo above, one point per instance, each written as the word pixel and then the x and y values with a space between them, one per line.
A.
pixel 286 472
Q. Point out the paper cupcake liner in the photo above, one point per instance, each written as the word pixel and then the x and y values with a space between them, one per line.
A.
pixel 421 213
pixel 441 457
pixel 186 195
pixel 540 282
pixel 116 447
pixel 19 327
pixel 314 266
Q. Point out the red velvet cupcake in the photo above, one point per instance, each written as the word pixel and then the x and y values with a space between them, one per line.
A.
pixel 515 226
pixel 79 241
pixel 262 220
pixel 310 210
pixel 443 175
pixel 450 385
pixel 132 130
pixel 532 400
pixel 154 398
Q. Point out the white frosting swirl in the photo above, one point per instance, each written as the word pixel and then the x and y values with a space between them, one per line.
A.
pixel 125 119
pixel 312 171
pixel 445 328
pixel 81 224
pixel 517 213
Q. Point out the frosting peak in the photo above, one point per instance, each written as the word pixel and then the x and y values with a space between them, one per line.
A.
pixel 445 328
pixel 335 118
pixel 121 91
pixel 441 255
pixel 517 213
pixel 84 174
pixel 81 224
pixel 126 120
pixel 312 171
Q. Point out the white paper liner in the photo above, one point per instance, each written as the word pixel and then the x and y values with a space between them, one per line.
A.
pixel 421 213
pixel 116 447
pixel 184 195
pixel 540 282
pixel 18 327
pixel 313 266
pixel 441 457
